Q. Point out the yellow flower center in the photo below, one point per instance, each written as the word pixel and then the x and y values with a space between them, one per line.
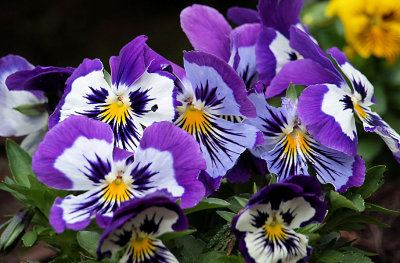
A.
pixel 274 230
pixel 117 190
pixel 141 247
pixel 117 110
pixel 294 141
pixel 360 111
pixel 195 120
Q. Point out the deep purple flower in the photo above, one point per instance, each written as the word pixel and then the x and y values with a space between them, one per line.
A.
pixel 265 228
pixel 135 227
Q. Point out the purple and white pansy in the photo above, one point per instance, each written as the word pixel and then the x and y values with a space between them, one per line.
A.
pixel 333 107
pixel 137 93
pixel 212 89
pixel 207 30
pixel 79 154
pixel 289 149
pixel 265 228
pixel 135 227
pixel 14 122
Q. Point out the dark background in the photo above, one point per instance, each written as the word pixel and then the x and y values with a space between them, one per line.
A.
pixel 63 33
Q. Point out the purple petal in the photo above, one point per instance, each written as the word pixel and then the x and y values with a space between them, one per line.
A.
pixel 58 222
pixel 130 64
pixel 374 123
pixel 187 158
pixel 48 79
pixel 210 184
pixel 46 161
pixel 10 64
pixel 358 175
pixel 206 70
pixel 280 14
pixel 335 130
pixel 245 37
pixel 305 45
pixel 246 165
pixel 299 72
pixel 207 30
pixel 120 154
pixel 241 15
pixel 266 60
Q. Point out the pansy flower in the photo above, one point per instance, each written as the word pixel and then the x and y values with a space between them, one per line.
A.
pixel 13 122
pixel 265 228
pixel 290 149
pixel 136 226
pixel 328 110
pixel 137 94
pixel 372 27
pixel 207 30
pixel 210 89
pixel 79 155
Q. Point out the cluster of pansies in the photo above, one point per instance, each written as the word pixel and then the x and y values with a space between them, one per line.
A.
pixel 135 146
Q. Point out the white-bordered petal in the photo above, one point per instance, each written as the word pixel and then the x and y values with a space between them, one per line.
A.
pixel 156 171
pixel 81 161
pixel 15 123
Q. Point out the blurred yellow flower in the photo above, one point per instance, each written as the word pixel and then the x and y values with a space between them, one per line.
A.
pixel 372 26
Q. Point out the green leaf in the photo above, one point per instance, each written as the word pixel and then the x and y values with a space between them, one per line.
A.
pixel 359 251
pixel 20 163
pixel 210 256
pixel 15 228
pixel 377 208
pixel 207 203
pixel 357 200
pixel 242 201
pixel 228 216
pixel 190 246
pixel 329 239
pixel 228 259
pixel 107 77
pixel 31 109
pixel 367 220
pixel 337 201
pixel 373 180
pixel 236 203
pixel 330 256
pixel 255 188
pixel 272 179
pixel 29 239
pixel 171 235
pixel 291 92
pixel 89 241
pixel 310 228
pixel 352 257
